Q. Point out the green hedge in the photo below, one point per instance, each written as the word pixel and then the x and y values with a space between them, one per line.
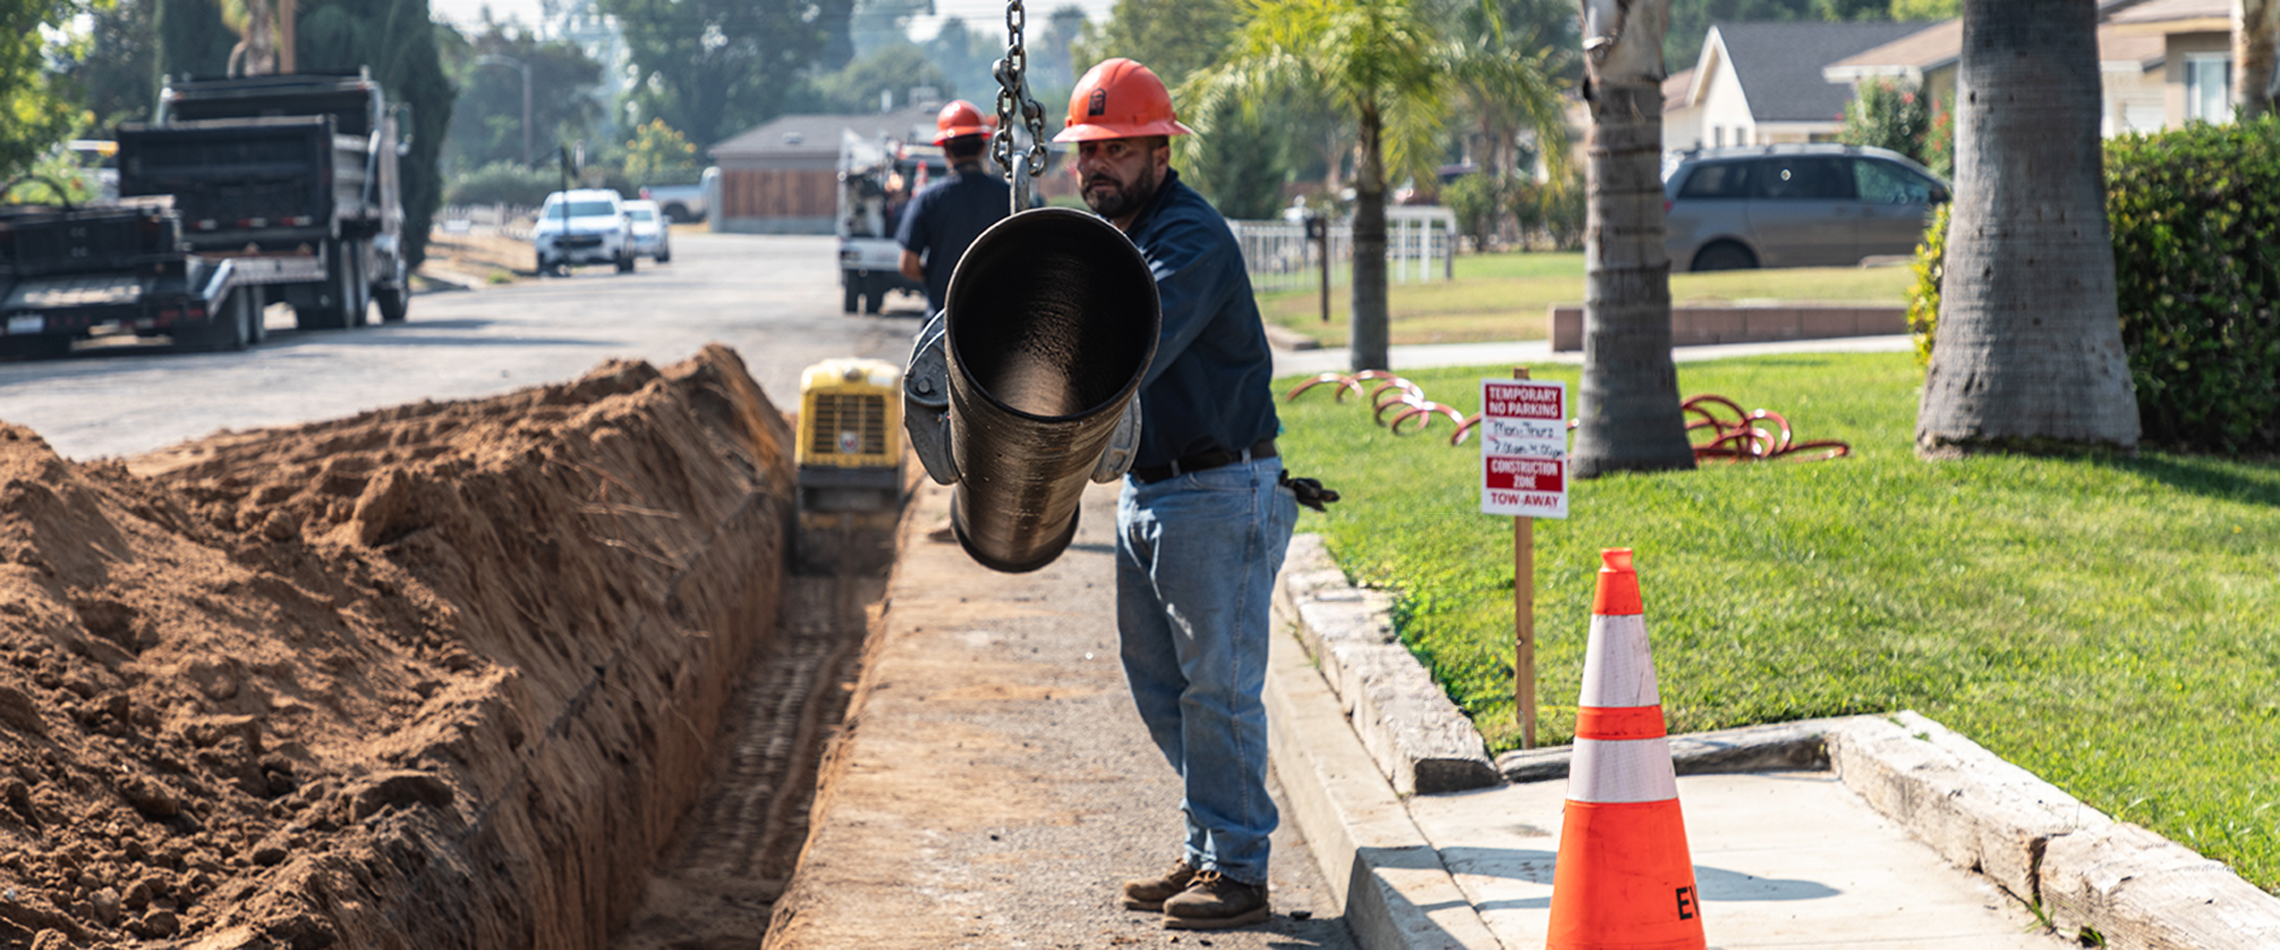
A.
pixel 2196 220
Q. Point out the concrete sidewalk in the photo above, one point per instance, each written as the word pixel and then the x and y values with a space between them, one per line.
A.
pixel 993 786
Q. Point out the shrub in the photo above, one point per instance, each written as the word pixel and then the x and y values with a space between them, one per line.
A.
pixel 1886 114
pixel 1924 294
pixel 2196 225
pixel 1477 200
pixel 505 183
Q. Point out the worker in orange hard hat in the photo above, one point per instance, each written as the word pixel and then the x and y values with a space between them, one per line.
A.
pixel 1205 511
pixel 944 219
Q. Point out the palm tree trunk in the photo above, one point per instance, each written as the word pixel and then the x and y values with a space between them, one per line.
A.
pixel 2029 353
pixel 1628 401
pixel 1369 330
pixel 2255 34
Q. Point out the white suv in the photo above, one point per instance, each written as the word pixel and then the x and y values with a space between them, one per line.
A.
pixel 586 226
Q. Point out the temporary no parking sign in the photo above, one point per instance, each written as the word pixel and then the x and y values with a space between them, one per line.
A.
pixel 1523 448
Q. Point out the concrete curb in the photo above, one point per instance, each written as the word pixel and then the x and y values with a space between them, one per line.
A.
pixel 2086 872
pixel 1419 739
pixel 1388 879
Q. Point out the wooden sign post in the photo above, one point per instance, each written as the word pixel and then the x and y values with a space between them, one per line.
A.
pixel 1523 465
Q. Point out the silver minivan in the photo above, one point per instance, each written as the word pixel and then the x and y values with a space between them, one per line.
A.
pixel 1794 206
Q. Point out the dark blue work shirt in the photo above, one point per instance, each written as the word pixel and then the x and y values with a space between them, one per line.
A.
pixel 1209 387
pixel 944 219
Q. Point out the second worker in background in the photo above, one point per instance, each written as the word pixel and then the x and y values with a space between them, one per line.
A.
pixel 944 219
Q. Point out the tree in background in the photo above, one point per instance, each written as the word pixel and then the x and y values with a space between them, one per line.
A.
pixel 2029 353
pixel 1241 156
pixel 486 120
pixel 1381 63
pixel 659 155
pixel 712 68
pixel 192 39
pixel 1629 416
pixel 117 75
pixel 890 70
pixel 38 112
pixel 1887 114
pixel 2255 34
pixel 1505 79
pixel 396 40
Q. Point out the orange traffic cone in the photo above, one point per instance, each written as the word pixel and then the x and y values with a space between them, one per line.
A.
pixel 1625 880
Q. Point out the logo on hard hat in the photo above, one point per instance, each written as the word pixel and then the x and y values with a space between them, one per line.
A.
pixel 1098 105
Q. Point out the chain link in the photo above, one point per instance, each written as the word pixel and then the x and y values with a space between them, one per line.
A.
pixel 1013 93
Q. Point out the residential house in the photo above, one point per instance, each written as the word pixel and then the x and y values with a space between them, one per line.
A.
pixel 1761 83
pixel 2162 63
pixel 783 176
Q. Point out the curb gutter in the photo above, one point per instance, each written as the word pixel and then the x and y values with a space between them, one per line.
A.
pixel 2088 873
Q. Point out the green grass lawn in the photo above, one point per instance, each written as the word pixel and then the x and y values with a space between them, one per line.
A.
pixel 2108 623
pixel 1505 296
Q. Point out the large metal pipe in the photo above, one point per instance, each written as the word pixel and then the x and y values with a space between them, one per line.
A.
pixel 1050 321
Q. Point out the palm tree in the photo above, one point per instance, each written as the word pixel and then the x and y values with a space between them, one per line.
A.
pixel 2255 33
pixel 2029 353
pixel 1381 63
pixel 1629 419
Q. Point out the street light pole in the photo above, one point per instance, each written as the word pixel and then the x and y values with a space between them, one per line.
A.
pixel 489 59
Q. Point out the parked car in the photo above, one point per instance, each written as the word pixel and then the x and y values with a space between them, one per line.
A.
pixel 1795 206
pixel 652 234
pixel 682 204
pixel 583 226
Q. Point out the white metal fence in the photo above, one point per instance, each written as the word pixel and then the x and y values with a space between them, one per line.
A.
pixel 511 221
pixel 1420 243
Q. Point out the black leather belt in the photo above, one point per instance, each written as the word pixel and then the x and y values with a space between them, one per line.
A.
pixel 1213 458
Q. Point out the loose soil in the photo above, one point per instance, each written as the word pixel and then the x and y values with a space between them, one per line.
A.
pixel 442 675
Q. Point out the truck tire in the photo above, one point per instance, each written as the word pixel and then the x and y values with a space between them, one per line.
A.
pixel 230 330
pixel 394 302
pixel 854 291
pixel 625 262
pixel 358 293
pixel 257 300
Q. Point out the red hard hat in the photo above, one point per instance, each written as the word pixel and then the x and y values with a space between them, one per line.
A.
pixel 1119 99
pixel 958 120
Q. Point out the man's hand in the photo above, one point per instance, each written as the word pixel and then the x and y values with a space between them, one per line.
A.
pixel 912 268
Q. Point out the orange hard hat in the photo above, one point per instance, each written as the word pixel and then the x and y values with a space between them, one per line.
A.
pixel 958 120
pixel 1119 99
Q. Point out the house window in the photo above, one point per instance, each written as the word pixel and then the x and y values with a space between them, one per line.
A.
pixel 1718 136
pixel 2208 87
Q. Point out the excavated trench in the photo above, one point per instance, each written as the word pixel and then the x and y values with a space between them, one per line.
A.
pixel 526 671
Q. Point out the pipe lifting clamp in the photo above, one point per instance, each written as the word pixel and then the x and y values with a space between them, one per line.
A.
pixel 926 415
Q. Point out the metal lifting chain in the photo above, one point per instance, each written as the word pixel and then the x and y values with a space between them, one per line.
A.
pixel 1013 88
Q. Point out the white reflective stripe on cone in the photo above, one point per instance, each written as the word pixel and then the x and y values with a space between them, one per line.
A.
pixel 1617 668
pixel 1611 772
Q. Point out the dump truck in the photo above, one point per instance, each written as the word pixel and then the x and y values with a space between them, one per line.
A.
pixel 876 181
pixel 69 273
pixel 293 178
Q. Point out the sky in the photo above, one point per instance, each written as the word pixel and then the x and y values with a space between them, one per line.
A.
pixel 980 15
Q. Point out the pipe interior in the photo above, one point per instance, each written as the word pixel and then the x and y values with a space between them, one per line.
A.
pixel 1051 314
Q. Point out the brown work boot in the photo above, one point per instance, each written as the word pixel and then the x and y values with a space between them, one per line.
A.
pixel 1212 902
pixel 1151 892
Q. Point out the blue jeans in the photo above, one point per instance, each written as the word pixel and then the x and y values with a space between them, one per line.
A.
pixel 1195 568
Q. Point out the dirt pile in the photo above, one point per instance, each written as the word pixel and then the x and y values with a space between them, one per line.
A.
pixel 442 675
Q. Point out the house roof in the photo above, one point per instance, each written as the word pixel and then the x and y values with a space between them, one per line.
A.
pixel 2158 11
pixel 1674 90
pixel 1941 44
pixel 809 135
pixel 1779 64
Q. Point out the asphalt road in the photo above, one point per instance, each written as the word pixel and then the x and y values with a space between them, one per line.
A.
pixel 775 299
